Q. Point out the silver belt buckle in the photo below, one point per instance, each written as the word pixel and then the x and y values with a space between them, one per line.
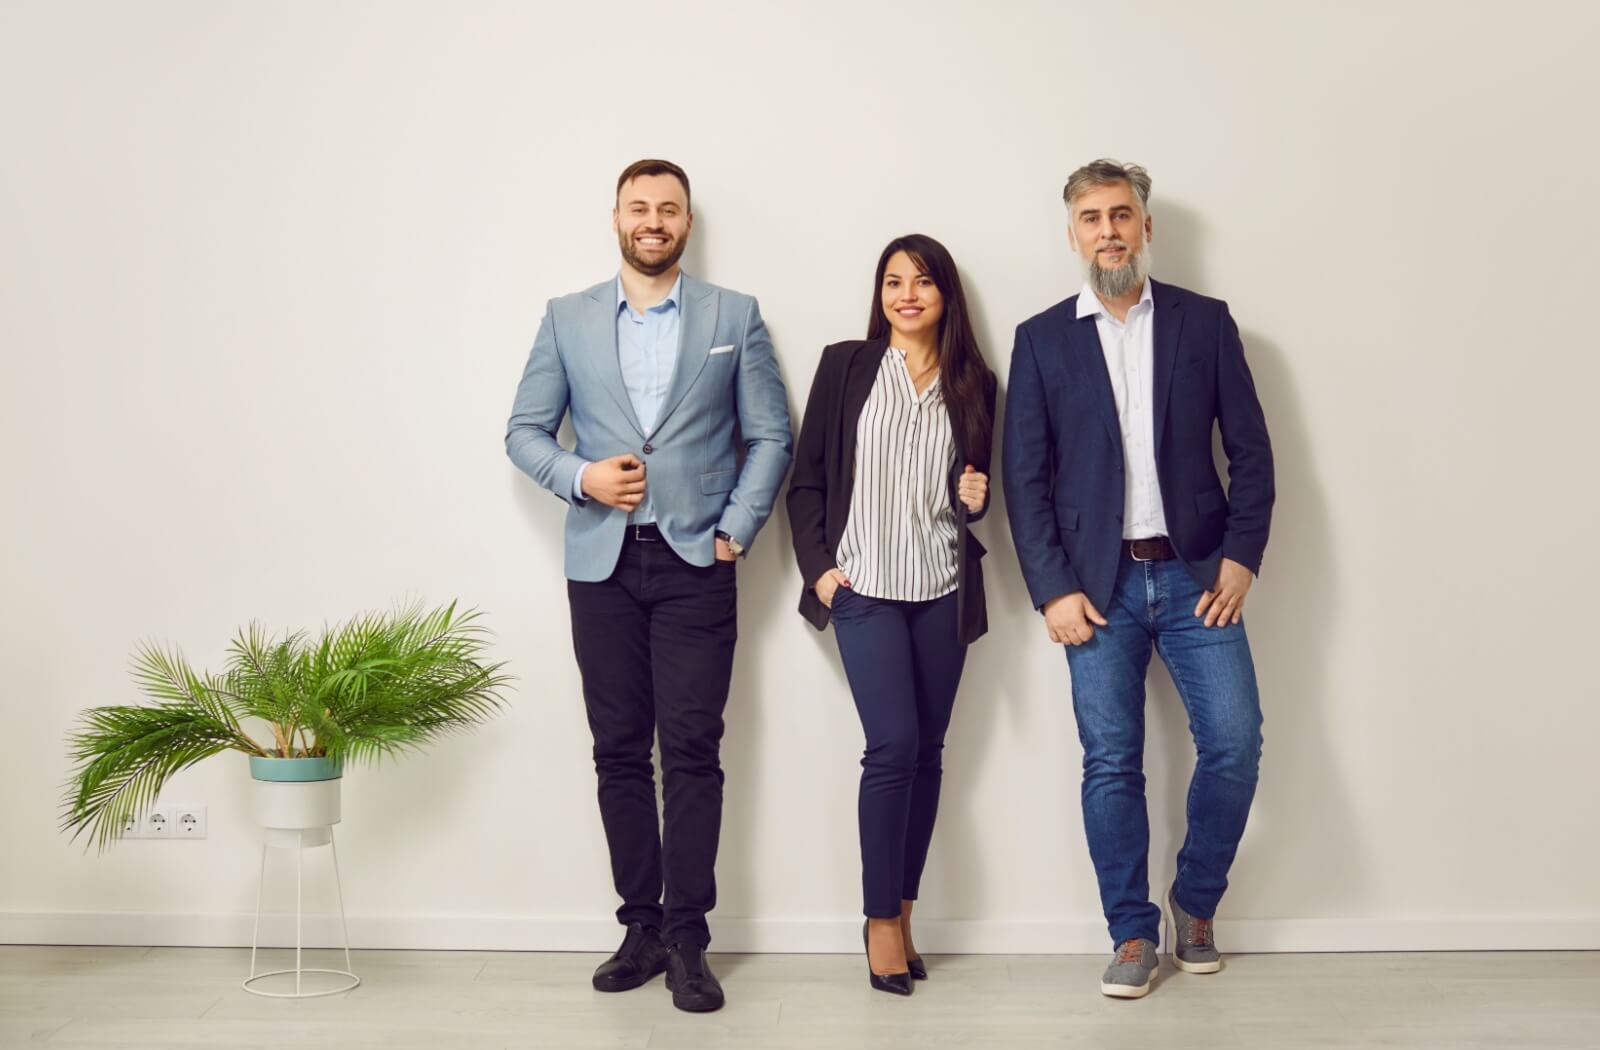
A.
pixel 1133 550
pixel 638 534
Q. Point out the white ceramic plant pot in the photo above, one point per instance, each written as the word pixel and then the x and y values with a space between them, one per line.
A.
pixel 296 799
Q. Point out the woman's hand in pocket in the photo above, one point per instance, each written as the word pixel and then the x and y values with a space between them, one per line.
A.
pixel 829 584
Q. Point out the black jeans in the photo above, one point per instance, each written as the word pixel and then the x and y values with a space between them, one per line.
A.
pixel 655 649
pixel 903 660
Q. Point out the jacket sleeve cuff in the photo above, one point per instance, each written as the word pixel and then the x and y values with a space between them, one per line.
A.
pixel 1046 586
pixel 561 475
pixel 736 522
pixel 977 515
pixel 1245 554
pixel 812 566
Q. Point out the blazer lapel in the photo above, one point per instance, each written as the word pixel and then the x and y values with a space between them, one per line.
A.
pixel 697 325
pixel 1083 336
pixel 1168 320
pixel 602 333
pixel 862 373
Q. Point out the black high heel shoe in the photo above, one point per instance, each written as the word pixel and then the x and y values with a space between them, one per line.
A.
pixel 914 965
pixel 894 983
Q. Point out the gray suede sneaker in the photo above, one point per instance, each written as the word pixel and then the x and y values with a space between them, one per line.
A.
pixel 1192 947
pixel 1128 976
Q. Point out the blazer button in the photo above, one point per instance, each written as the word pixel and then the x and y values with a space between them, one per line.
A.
pixel 648 448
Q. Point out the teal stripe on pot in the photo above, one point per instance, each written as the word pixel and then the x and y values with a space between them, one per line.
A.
pixel 294 770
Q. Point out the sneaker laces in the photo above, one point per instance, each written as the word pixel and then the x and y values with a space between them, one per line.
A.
pixel 1132 951
pixel 1200 932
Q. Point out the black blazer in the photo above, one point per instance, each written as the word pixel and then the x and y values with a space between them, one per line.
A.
pixel 824 472
pixel 1063 447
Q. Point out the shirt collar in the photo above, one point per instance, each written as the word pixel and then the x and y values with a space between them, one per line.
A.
pixel 1089 304
pixel 673 297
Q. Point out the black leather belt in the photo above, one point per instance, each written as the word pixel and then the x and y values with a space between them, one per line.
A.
pixel 644 533
pixel 1157 549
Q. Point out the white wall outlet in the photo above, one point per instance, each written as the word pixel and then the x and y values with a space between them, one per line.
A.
pixel 188 822
pixel 157 824
pixel 132 828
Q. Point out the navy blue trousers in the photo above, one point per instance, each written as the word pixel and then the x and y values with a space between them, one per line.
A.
pixel 903 660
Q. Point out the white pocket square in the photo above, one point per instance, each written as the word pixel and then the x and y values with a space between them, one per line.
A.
pixel 722 349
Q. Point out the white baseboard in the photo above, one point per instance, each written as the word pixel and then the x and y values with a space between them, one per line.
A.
pixel 830 934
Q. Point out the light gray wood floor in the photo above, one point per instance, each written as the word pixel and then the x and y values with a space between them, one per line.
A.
pixel 189 997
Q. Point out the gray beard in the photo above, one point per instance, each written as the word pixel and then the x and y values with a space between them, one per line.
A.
pixel 1124 280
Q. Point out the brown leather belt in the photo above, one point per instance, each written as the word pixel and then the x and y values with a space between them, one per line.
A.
pixel 1157 549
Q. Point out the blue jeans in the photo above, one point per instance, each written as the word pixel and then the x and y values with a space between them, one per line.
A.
pixel 903 660
pixel 1153 607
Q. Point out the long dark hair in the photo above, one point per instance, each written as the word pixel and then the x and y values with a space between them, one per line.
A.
pixel 962 371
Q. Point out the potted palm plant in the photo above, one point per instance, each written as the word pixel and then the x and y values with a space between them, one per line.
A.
pixel 300 708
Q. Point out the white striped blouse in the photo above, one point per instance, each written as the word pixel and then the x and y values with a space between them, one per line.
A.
pixel 900 538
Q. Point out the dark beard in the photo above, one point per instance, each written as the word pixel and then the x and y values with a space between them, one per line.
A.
pixel 655 269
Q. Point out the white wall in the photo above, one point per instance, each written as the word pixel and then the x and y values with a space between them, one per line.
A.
pixel 270 273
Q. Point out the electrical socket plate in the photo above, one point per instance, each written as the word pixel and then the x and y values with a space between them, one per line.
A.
pixel 188 822
pixel 167 822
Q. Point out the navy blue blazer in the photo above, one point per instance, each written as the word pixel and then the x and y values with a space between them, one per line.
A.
pixel 1062 466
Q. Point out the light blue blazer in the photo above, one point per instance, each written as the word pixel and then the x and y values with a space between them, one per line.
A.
pixel 726 375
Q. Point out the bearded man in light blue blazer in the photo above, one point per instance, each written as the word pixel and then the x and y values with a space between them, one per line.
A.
pixel 667 379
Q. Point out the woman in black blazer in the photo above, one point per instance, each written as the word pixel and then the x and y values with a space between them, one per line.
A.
pixel 891 466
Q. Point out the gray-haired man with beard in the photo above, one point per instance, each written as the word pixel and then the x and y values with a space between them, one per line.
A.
pixel 1129 544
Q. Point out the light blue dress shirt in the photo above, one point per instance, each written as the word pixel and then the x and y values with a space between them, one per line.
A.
pixel 647 349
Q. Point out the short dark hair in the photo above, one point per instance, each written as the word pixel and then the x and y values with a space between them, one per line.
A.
pixel 654 167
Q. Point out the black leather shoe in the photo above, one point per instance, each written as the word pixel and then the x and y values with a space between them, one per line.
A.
pixel 893 983
pixel 689 978
pixel 919 972
pixel 640 958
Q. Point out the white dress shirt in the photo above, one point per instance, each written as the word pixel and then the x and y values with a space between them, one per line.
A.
pixel 1129 348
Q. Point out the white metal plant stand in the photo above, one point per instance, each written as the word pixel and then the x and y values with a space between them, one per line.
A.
pixel 299 816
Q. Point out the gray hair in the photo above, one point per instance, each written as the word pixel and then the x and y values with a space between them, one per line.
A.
pixel 1106 172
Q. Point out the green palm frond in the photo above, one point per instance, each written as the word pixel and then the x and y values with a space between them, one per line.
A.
pixel 124 754
pixel 268 678
pixel 421 675
pixel 374 686
pixel 165 676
